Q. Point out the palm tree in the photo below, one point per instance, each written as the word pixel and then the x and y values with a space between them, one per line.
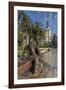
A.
pixel 32 31
pixel 37 32
pixel 26 26
pixel 20 16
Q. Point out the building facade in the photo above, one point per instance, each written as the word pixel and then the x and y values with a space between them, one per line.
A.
pixel 48 35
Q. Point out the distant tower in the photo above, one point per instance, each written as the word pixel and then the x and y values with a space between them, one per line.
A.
pixel 47 24
pixel 47 27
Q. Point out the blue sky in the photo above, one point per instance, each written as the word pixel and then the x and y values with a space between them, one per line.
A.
pixel 41 16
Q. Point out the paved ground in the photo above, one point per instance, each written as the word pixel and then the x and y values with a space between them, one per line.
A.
pixel 50 58
pixel 47 68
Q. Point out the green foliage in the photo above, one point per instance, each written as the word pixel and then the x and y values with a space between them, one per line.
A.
pixel 46 45
pixel 20 37
pixel 20 52
pixel 20 16
pixel 37 32
pixel 27 29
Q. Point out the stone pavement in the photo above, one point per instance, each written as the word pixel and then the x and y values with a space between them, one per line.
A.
pixel 47 68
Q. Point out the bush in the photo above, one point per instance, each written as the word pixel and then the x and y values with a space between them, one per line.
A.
pixel 20 52
pixel 46 45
